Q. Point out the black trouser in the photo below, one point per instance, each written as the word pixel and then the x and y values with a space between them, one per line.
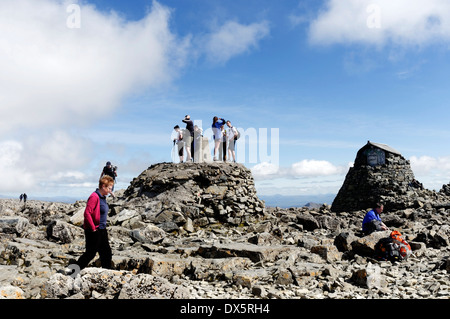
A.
pixel 373 226
pixel 96 242
pixel 224 146
pixel 192 147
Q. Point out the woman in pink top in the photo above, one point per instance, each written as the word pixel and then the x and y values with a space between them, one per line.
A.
pixel 95 216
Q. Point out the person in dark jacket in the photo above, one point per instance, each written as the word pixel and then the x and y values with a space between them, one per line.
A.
pixel 109 170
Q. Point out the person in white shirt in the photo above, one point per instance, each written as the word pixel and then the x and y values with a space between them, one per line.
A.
pixel 232 134
pixel 178 140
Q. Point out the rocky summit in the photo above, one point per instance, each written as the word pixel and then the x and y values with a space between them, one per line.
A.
pixel 194 194
pixel 199 231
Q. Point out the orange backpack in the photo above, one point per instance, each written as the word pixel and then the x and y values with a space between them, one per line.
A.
pixel 392 248
pixel 400 244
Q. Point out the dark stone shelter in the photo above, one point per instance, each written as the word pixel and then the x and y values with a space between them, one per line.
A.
pixel 379 173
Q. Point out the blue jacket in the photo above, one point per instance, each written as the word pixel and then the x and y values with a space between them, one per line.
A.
pixel 371 215
pixel 219 123
pixel 216 128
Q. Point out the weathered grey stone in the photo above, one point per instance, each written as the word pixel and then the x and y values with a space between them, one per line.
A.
pixel 253 252
pixel 8 274
pixel 433 238
pixel 63 232
pixel 13 224
pixel 193 188
pixel 284 277
pixel 343 241
pixel 77 218
pixel 172 239
pixel 149 234
pixel 307 221
pixel 149 287
pixel 11 292
pixel 369 277
pixel 264 239
pixel 58 286
pixel 100 283
pixel 365 246
pixel 124 215
pixel 328 252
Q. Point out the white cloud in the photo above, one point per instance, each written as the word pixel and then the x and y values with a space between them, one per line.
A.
pixel 315 168
pixel 232 39
pixel 379 22
pixel 265 169
pixel 56 152
pixel 319 176
pixel 433 172
pixel 55 75
pixel 14 175
pixel 40 161
pixel 428 164
pixel 58 76
pixel 303 169
pixel 78 176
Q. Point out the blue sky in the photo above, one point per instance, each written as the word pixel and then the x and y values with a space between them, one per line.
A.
pixel 84 82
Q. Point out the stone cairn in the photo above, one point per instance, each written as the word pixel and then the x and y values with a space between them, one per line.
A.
pixel 195 194
pixel 381 174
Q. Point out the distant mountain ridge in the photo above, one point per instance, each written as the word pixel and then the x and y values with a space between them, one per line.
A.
pixel 271 200
pixel 297 201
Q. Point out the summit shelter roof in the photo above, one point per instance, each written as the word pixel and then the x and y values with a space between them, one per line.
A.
pixel 383 147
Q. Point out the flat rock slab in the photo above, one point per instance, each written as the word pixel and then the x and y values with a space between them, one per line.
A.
pixel 253 252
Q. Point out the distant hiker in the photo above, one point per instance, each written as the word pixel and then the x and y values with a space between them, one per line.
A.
pixel 217 123
pixel 189 137
pixel 372 221
pixel 95 218
pixel 109 170
pixel 178 141
pixel 232 137
pixel 25 198
pixel 21 197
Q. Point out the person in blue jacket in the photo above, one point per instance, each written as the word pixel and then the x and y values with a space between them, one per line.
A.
pixel 372 221
pixel 216 125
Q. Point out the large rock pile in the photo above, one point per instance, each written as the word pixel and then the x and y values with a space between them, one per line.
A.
pixel 236 252
pixel 381 174
pixel 198 193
